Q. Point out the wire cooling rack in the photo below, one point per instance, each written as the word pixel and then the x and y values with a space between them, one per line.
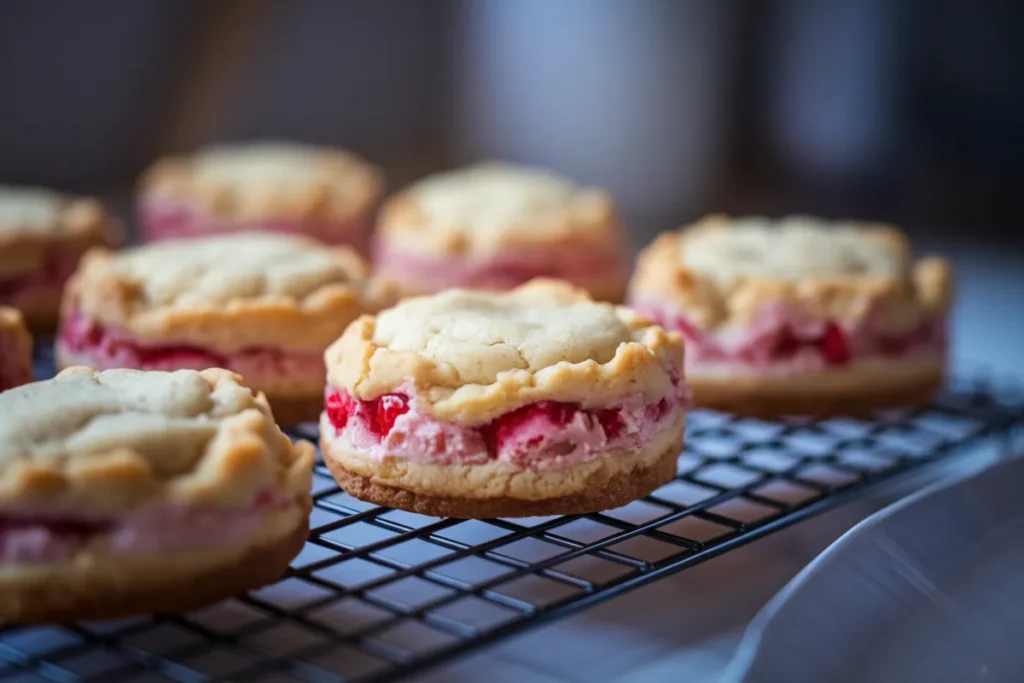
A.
pixel 378 594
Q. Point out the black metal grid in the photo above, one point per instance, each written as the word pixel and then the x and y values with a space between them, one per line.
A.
pixel 378 594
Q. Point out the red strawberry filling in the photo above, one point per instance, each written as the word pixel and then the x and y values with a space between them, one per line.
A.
pixel 378 415
pixel 546 413
pixel 831 344
pixel 33 536
pixel 547 427
pixel 612 422
pixel 778 335
pixel 92 343
pixel 81 335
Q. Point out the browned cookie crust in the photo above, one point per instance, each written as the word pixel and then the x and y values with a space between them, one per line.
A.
pixel 621 490
pixel 775 401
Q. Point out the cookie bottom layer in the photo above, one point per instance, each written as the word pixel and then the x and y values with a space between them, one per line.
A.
pixel 101 592
pixel 598 491
pixel 861 389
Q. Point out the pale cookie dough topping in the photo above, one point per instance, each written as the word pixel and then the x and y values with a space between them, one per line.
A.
pixel 469 356
pixel 497 196
pixel 268 180
pixel 723 272
pixel 218 270
pixel 165 417
pixel 266 166
pixel 482 335
pixel 29 208
pixel 108 440
pixel 791 249
pixel 496 210
pixel 36 211
pixel 229 291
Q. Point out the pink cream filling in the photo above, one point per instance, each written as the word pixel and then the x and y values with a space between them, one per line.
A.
pixel 106 347
pixel 505 270
pixel 540 436
pixel 786 339
pixel 37 536
pixel 163 219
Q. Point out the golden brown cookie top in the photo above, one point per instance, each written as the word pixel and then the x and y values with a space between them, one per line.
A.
pixel 268 181
pixel 34 221
pixel 472 355
pixel 228 291
pixel 483 208
pixel 721 271
pixel 111 441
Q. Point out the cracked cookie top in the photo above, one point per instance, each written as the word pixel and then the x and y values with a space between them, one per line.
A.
pixel 721 271
pixel 107 442
pixel 472 355
pixel 268 181
pixel 34 221
pixel 491 206
pixel 228 291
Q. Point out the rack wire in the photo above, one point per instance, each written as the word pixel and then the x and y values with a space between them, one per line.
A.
pixel 378 594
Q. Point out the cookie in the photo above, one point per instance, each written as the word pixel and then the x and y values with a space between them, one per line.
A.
pixel 495 226
pixel 799 316
pixel 42 236
pixel 263 305
pixel 535 401
pixel 125 492
pixel 321 192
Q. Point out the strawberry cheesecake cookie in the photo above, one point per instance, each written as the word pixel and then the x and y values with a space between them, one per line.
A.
pixel 263 305
pixel 536 401
pixel 42 236
pixel 126 492
pixel 321 192
pixel 798 316
pixel 15 350
pixel 496 226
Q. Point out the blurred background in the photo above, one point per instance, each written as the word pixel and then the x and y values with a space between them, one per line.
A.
pixel 905 110
pixel 910 111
